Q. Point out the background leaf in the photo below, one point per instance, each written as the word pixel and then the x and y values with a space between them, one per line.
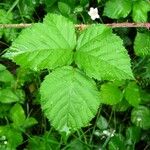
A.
pixel 64 8
pixel 132 94
pixel 69 99
pixel 17 114
pixel 117 142
pixel 45 142
pixel 117 9
pixel 110 94
pixel 142 44
pixel 140 10
pixel 140 116
pixel 9 34
pixel 102 123
pixel 9 96
pixel 13 137
pixel 133 135
pixel 5 75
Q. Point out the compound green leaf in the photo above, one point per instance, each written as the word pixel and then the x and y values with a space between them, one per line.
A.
pixel 140 10
pixel 69 99
pixel 110 94
pixel 132 94
pixel 117 9
pixel 101 54
pixel 142 44
pixel 46 45
pixel 140 116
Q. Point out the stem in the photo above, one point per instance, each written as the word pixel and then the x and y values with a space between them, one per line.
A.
pixel 98 114
pixel 82 26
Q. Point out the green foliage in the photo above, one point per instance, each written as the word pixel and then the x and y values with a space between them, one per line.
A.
pixel 64 8
pixel 132 94
pixel 7 95
pixel 6 18
pixel 142 44
pixel 5 75
pixel 50 45
pixel 77 144
pixel 37 48
pixel 117 143
pixel 69 88
pixel 17 115
pixel 105 58
pixel 117 9
pixel 69 99
pixel 46 142
pixel 140 10
pixel 110 94
pixel 121 106
pixel 122 8
pixel 27 8
pixel 140 116
pixel 133 135
pixel 12 137
pixel 102 123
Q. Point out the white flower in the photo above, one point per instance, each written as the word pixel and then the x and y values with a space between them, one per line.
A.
pixel 93 13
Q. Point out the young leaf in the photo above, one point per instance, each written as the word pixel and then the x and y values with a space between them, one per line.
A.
pixel 142 44
pixel 69 99
pixel 110 94
pixel 102 123
pixel 117 9
pixel 46 45
pixel 132 94
pixel 140 116
pixel 101 55
pixel 140 10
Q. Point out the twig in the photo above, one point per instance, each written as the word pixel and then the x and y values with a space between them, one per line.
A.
pixel 21 25
pixel 82 26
